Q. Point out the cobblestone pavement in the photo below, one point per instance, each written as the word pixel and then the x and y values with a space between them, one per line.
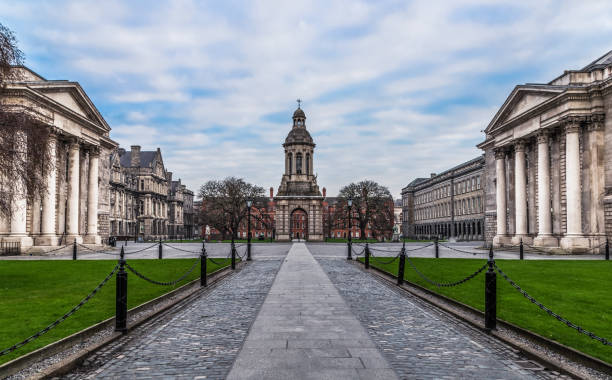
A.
pixel 200 340
pixel 470 250
pixel 420 341
pixel 170 250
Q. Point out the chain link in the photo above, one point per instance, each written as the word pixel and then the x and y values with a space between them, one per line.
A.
pixel 445 284
pixel 59 248
pixel 169 283
pixel 552 313
pixel 459 250
pixel 183 250
pixel 386 262
pixel 63 317
pixel 358 254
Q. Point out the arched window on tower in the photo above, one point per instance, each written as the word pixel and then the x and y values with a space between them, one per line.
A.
pixel 290 163
pixel 298 163
pixel 307 163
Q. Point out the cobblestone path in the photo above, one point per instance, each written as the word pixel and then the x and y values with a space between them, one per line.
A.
pixel 199 341
pixel 420 341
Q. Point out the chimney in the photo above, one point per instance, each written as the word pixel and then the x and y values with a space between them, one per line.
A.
pixel 169 176
pixel 324 192
pixel 271 192
pixel 433 175
pixel 135 155
pixel 121 151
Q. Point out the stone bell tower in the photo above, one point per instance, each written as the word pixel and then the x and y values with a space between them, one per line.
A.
pixel 298 200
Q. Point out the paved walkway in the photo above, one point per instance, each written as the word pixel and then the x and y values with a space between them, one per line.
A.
pixel 305 330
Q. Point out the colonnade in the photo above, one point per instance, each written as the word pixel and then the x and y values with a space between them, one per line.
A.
pixel 463 230
pixel 574 238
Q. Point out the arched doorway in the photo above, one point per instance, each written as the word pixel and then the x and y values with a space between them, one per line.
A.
pixel 299 224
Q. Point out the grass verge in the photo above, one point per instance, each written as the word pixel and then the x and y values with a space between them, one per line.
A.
pixel 35 293
pixel 577 290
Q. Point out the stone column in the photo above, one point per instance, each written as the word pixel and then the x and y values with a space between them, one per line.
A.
pixel 500 197
pixel 520 193
pixel 73 193
pixel 573 241
pixel 48 235
pixel 92 236
pixel 544 238
pixel 596 176
pixel 18 231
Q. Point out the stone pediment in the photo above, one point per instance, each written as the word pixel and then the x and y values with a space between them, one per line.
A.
pixel 522 100
pixel 67 100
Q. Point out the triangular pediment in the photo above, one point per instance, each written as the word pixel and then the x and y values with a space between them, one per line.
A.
pixel 521 100
pixel 67 100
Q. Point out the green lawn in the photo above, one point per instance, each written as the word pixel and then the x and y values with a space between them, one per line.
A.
pixel 35 293
pixel 343 240
pixel 580 291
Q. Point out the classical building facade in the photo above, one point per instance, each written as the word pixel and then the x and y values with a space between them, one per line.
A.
pixel 180 204
pixel 449 204
pixel 298 201
pixel 548 170
pixel 75 206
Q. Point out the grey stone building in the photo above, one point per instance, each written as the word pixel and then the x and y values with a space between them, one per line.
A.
pixel 75 206
pixel 298 202
pixel 548 170
pixel 449 204
pixel 180 218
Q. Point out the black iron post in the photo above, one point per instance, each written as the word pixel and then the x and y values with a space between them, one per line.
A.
pixel 74 250
pixel 249 231
pixel 203 262
pixel 607 249
pixel 121 297
pixel 125 243
pixel 521 250
pixel 490 294
pixel 367 256
pixel 160 253
pixel 233 253
pixel 350 243
pixel 437 248
pixel 402 263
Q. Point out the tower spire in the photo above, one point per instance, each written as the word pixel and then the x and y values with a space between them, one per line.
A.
pixel 299 102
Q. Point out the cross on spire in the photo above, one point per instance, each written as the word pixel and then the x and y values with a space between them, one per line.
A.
pixel 299 102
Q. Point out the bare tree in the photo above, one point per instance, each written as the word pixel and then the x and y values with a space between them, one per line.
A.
pixel 371 206
pixel 25 159
pixel 224 203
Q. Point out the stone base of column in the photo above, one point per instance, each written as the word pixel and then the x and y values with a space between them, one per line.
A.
pixel 501 240
pixel 92 239
pixel 516 239
pixel 574 243
pixel 46 240
pixel 72 238
pixel 26 241
pixel 546 241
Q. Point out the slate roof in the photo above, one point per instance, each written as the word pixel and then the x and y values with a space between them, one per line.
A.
pixel 602 61
pixel 146 158
pixel 299 136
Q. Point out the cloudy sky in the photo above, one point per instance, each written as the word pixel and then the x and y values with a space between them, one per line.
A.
pixel 392 90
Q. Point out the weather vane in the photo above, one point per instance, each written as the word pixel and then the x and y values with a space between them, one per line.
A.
pixel 299 101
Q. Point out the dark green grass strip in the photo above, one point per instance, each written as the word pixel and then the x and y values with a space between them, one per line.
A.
pixel 578 290
pixel 35 293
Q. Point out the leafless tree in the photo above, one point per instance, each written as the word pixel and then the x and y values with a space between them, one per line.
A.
pixel 372 205
pixel 25 158
pixel 224 203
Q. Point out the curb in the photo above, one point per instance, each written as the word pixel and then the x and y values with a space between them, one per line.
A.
pixel 17 364
pixel 475 318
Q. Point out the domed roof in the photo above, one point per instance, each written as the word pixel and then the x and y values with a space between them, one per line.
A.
pixel 299 113
pixel 299 136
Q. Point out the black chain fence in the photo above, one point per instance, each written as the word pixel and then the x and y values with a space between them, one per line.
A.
pixel 552 313
pixel 161 283
pixel 63 317
pixel 445 284
pixel 181 249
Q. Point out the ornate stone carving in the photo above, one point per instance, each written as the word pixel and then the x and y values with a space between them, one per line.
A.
pixel 596 122
pixel 500 154
pixel 542 136
pixel 519 145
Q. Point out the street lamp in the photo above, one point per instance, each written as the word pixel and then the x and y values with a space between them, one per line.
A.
pixel 350 245
pixel 249 203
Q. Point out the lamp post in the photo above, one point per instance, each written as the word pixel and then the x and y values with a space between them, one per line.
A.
pixel 249 203
pixel 350 208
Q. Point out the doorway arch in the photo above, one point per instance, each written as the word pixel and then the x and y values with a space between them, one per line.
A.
pixel 299 224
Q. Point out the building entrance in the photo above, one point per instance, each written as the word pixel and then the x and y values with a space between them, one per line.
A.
pixel 299 224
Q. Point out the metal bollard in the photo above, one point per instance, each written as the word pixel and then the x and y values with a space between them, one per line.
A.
pixel 437 248
pixel 349 245
pixel 121 297
pixel 74 250
pixel 233 256
pixel 490 294
pixel 160 250
pixel 607 249
pixel 125 243
pixel 402 264
pixel 367 256
pixel 521 250
pixel 203 259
